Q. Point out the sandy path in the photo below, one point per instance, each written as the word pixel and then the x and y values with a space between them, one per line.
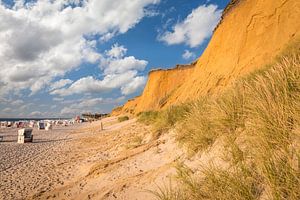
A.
pixel 121 162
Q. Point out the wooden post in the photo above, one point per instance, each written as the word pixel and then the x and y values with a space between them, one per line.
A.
pixel 101 126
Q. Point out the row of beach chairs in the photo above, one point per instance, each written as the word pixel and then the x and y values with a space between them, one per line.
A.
pixel 25 134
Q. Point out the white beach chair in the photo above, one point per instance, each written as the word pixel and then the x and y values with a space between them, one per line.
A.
pixel 25 135
pixel 48 127
pixel 9 124
pixel 31 124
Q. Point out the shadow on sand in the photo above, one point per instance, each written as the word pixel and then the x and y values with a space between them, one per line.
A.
pixel 48 141
pixel 34 141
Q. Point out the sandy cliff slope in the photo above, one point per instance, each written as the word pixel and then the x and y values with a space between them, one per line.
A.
pixel 251 34
pixel 160 86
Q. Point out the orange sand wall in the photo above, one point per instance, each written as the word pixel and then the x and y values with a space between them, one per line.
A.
pixel 251 34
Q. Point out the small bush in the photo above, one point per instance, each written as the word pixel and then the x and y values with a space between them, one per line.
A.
pixel 123 118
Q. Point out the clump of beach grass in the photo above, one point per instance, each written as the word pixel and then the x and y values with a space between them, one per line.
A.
pixel 123 118
pixel 197 131
pixel 242 182
pixel 167 192
pixel 135 142
pixel 148 117
pixel 164 120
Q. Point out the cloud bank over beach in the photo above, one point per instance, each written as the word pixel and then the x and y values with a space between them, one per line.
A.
pixel 62 52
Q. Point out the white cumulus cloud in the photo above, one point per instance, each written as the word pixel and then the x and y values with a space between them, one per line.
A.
pixel 36 114
pixel 120 72
pixel 7 110
pixel 61 83
pixel 136 84
pixel 17 102
pixel 188 55
pixel 88 105
pixel 116 51
pixel 44 39
pixel 197 27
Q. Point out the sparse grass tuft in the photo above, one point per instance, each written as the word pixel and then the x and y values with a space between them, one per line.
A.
pixel 148 117
pixel 242 183
pixel 164 120
pixel 167 192
pixel 123 118
pixel 236 183
pixel 135 142
pixel 169 117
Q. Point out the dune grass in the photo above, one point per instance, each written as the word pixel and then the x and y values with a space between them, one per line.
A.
pixel 238 183
pixel 264 110
pixel 123 118
pixel 164 120
pixel 148 117
pixel 197 130
pixel 167 192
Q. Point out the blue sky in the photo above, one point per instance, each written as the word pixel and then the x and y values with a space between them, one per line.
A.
pixel 65 57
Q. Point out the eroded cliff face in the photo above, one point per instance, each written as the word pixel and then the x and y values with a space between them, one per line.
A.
pixel 129 107
pixel 251 34
pixel 160 86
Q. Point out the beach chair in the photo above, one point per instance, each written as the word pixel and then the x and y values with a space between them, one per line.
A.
pixel 25 135
pixel 31 124
pixel 48 127
pixel 41 125
pixel 9 124
pixel 3 124
pixel 1 138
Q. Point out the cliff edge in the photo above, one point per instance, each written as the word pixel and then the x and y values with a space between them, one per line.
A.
pixel 249 36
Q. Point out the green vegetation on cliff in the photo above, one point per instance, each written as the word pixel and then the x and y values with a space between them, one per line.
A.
pixel 258 118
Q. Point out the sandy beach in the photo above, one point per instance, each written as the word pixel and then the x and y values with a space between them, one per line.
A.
pixel 82 162
pixel 29 167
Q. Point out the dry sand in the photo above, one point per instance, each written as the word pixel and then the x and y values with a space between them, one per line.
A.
pixel 81 162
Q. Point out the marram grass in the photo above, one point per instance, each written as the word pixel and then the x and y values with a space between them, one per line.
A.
pixel 262 109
